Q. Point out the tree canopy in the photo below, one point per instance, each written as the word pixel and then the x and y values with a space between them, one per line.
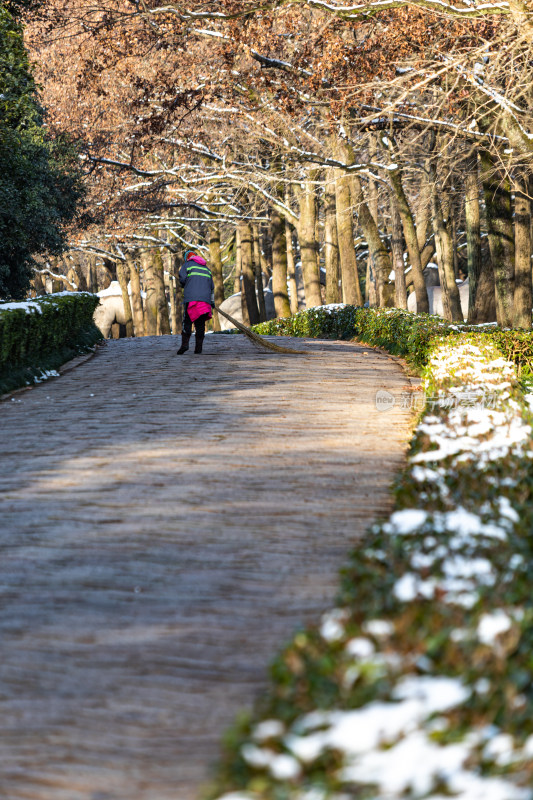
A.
pixel 40 180
pixel 195 114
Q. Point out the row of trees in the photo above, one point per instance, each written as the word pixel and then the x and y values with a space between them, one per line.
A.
pixel 148 276
pixel 366 139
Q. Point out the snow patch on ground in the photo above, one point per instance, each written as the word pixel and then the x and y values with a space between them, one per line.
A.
pixel 45 375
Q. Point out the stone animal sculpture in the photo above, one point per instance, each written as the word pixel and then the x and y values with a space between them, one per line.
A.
pixel 111 308
pixel 435 299
pixel 232 306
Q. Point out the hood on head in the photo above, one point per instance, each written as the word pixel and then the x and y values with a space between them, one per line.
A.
pixel 197 259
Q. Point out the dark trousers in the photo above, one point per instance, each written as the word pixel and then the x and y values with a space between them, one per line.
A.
pixel 199 325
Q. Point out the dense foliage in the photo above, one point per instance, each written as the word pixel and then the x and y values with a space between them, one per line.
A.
pixel 40 181
pixel 401 333
pixel 418 684
pixel 42 334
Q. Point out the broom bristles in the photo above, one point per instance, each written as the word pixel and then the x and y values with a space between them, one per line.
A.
pixel 256 338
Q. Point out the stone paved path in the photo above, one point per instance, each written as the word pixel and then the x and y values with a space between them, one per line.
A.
pixel 166 523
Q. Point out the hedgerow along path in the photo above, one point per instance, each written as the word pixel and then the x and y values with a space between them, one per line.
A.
pixel 167 523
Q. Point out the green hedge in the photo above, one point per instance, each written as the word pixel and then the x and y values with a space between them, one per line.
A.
pixel 400 332
pixel 335 322
pixel 435 599
pixel 42 334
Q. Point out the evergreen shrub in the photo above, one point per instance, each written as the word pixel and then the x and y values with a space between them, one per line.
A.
pixel 332 322
pixel 43 333
pixel 41 180
pixel 400 332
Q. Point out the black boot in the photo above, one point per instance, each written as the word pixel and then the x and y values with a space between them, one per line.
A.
pixel 198 343
pixel 200 333
pixel 184 344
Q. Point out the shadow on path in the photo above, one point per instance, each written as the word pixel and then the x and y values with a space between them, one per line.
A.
pixel 166 524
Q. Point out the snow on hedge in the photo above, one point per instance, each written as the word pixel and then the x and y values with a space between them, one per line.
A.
pixel 25 305
pixel 418 685
pixel 35 305
pixel 38 335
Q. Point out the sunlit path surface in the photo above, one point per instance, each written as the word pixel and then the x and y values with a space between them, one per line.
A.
pixel 166 523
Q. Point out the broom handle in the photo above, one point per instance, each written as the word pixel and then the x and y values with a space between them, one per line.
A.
pixel 232 319
pixel 255 337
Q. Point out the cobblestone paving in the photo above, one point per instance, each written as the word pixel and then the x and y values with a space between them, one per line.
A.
pixel 166 523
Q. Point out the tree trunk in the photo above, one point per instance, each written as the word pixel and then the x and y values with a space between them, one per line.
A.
pixel 136 298
pixel 80 275
pixel 485 304
pixel 279 265
pixel 473 231
pixel 258 272
pixel 400 289
pixel 451 301
pixel 38 284
pixel 376 248
pixel 216 270
pixel 423 217
pixel 72 282
pixel 411 240
pixel 150 306
pixel 291 269
pixel 306 235
pixel 497 194
pixel 163 322
pixel 123 275
pixel 170 283
pixel 266 252
pixel 266 262
pixel 351 291
pixel 250 310
pixel 331 241
pixel 427 253
pixel 371 293
pixel 110 268
pixel 179 293
pixel 238 262
pixel 424 226
pixel 453 232
pixel 522 232
pixel 291 266
pixel 371 284
pixel 373 187
pixel 169 259
pixel 92 278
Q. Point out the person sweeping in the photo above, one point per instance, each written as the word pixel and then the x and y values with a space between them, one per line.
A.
pixel 198 299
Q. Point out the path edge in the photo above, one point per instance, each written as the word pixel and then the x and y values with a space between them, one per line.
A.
pixel 68 366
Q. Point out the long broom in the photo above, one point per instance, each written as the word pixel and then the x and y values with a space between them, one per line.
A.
pixel 256 339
